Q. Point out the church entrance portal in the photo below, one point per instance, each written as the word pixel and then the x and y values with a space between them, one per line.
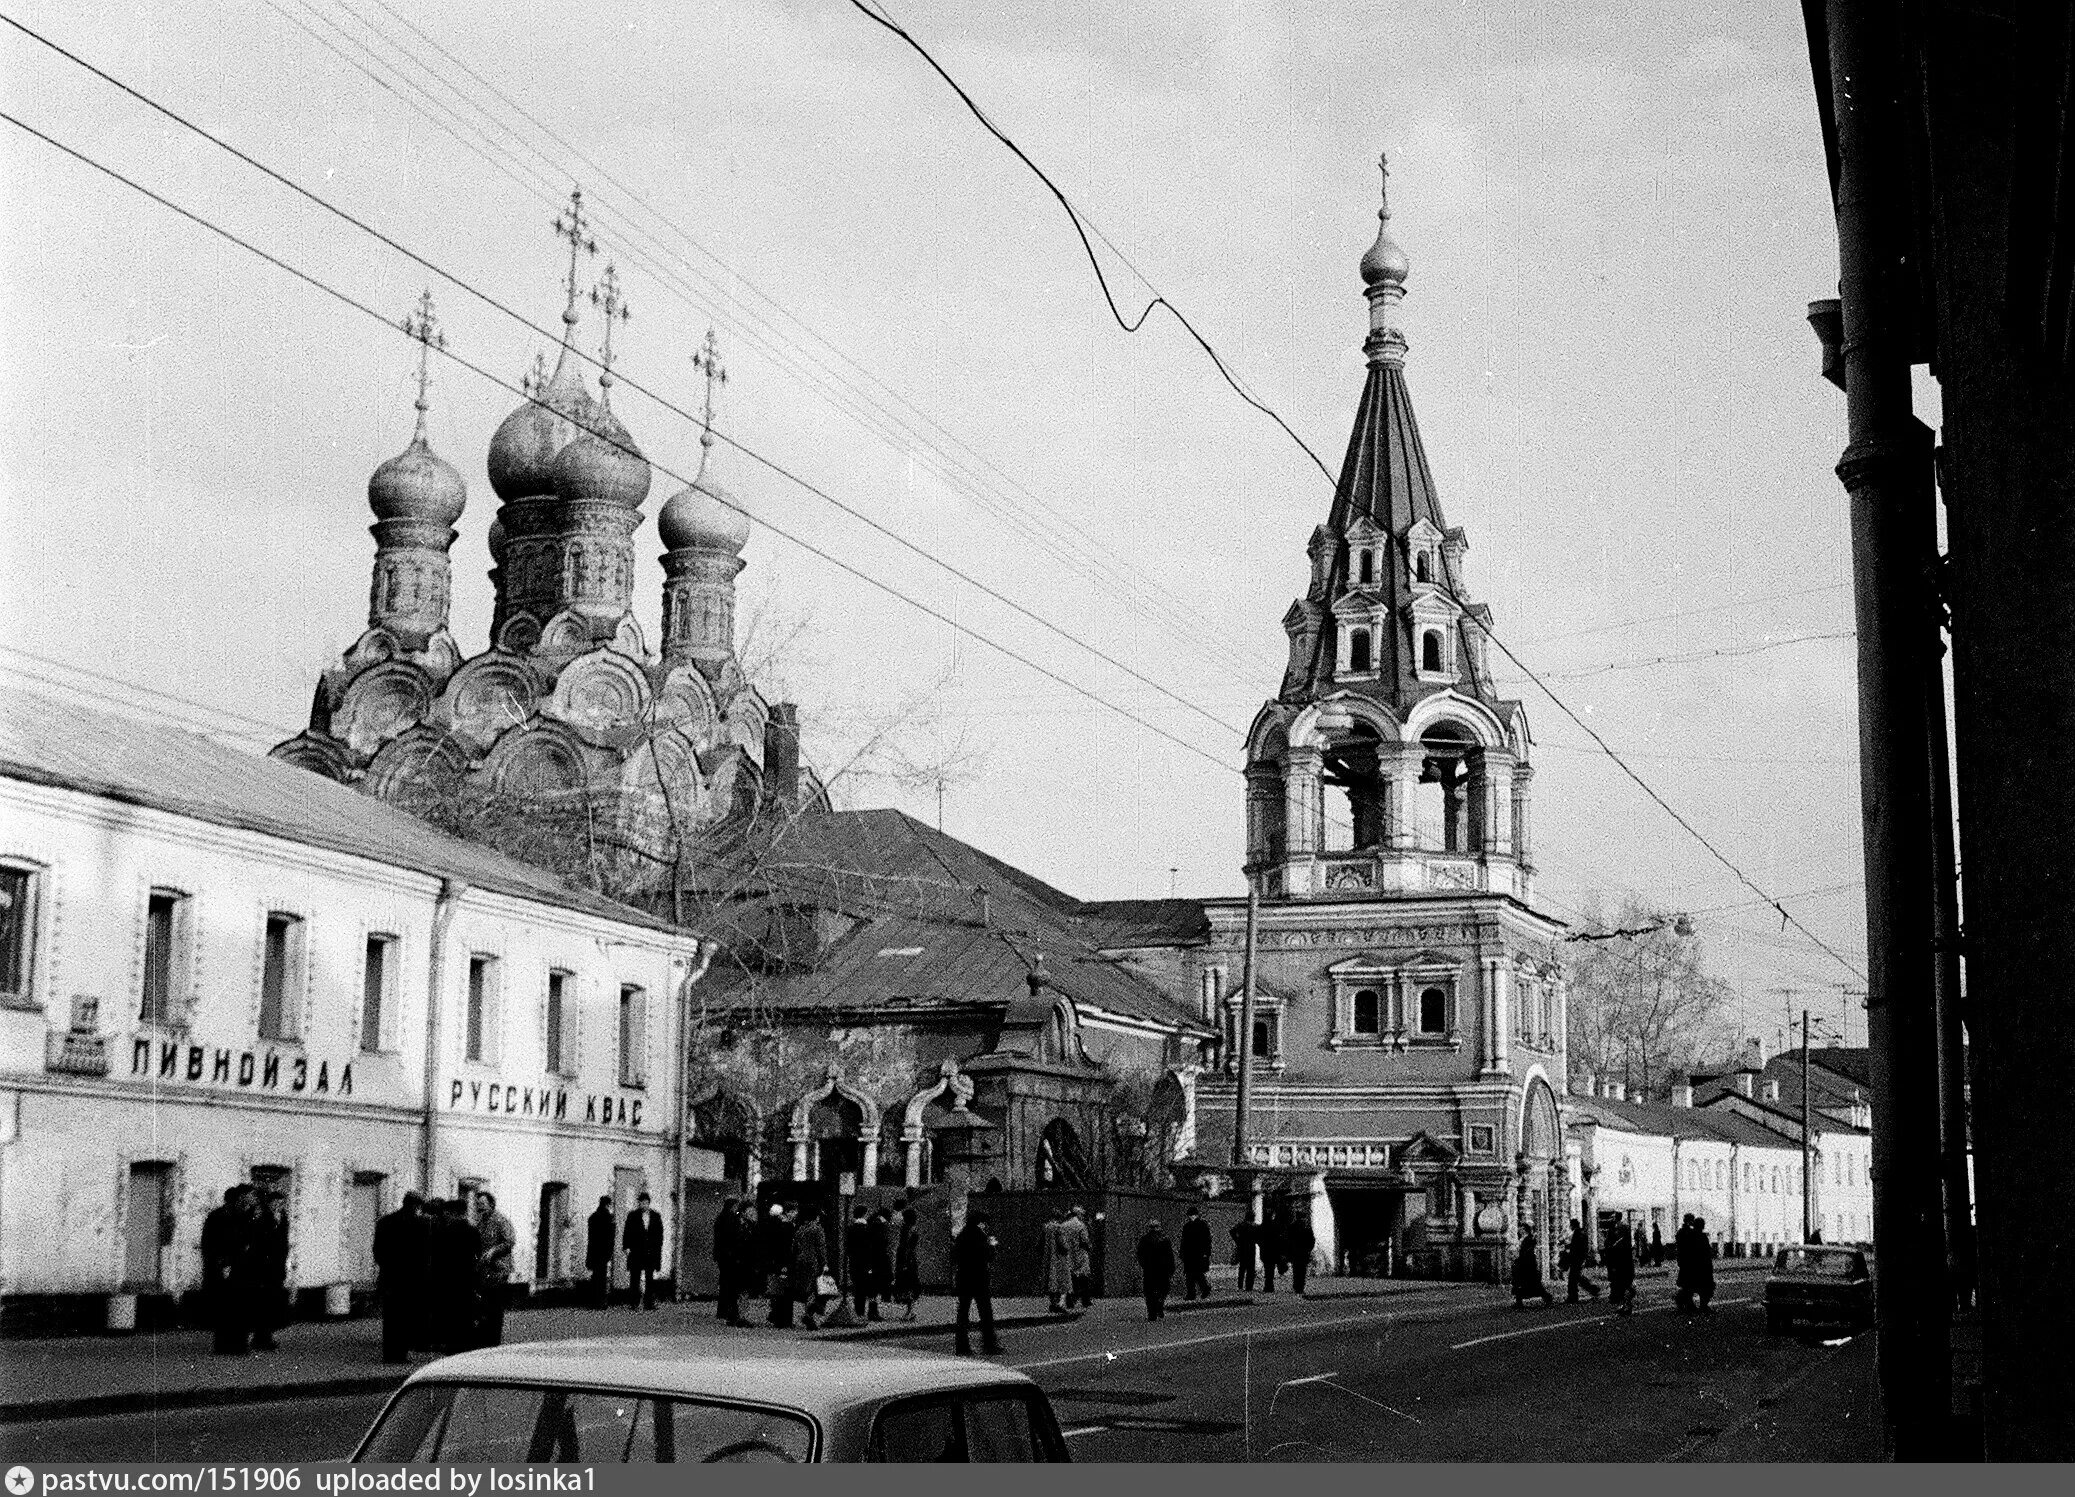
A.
pixel 1371 1226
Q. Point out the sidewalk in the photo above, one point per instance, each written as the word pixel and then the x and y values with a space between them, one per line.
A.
pixel 76 1376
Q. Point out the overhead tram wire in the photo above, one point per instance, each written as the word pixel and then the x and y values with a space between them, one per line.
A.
pixel 627 381
pixel 1076 550
pixel 1077 218
pixel 350 301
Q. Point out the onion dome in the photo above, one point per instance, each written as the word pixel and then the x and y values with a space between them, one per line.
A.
pixel 1385 263
pixel 603 466
pixel 417 484
pixel 522 454
pixel 705 516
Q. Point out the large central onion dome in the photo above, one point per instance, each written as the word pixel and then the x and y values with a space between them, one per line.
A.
pixel 417 484
pixel 603 466
pixel 522 454
pixel 705 516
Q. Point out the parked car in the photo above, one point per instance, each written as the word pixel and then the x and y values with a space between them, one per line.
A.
pixel 710 1398
pixel 1817 1284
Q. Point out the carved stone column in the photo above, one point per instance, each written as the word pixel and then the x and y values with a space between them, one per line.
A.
pixel 1301 778
pixel 1523 779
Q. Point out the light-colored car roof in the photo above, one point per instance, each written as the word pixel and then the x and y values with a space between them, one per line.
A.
pixel 812 1376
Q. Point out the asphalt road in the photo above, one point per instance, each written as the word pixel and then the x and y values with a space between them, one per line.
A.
pixel 1449 1377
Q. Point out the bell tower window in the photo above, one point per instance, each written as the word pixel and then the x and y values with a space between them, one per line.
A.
pixel 1423 567
pixel 1368 567
pixel 1430 651
pixel 1358 645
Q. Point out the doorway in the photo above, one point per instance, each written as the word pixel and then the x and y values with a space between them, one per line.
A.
pixel 1368 1224
pixel 627 1186
pixel 363 1210
pixel 148 1227
pixel 551 1242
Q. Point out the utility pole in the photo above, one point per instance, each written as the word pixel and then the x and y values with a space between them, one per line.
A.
pixel 1243 1099
pixel 1804 1128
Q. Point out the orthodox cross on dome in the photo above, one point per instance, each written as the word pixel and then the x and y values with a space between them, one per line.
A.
pixel 1383 165
pixel 605 296
pixel 423 325
pixel 573 226
pixel 707 362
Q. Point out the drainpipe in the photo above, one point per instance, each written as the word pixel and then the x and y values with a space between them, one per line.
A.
pixel 684 1097
pixel 450 894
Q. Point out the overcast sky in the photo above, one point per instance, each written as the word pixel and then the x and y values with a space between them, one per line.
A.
pixel 1615 213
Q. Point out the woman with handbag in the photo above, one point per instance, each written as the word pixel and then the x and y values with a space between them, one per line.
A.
pixel 810 1266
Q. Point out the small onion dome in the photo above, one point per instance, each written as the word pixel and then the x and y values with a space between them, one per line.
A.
pixel 522 454
pixel 704 516
pixel 1385 261
pixel 497 542
pixel 603 465
pixel 417 484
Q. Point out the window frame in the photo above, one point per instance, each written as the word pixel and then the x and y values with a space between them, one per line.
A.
pixel 633 1040
pixel 481 1002
pixel 293 996
pixel 385 1028
pixel 179 955
pixel 22 988
pixel 1048 1445
pixel 558 1022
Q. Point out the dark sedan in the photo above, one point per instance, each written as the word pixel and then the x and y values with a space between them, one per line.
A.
pixel 1818 1285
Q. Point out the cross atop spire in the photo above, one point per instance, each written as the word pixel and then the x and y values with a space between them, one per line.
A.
pixel 605 296
pixel 571 224
pixel 424 326
pixel 1383 165
pixel 707 362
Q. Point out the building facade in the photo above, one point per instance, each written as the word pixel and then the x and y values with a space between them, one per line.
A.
pixel 1408 1038
pixel 219 971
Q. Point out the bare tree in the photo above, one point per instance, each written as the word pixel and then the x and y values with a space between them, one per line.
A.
pixel 1643 1007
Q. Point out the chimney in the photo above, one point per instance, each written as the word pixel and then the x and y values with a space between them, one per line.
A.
pixel 1682 1095
pixel 1772 1089
pixel 986 909
pixel 1617 1091
pixel 782 755
pixel 1743 1083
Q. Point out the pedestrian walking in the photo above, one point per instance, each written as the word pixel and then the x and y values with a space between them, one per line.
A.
pixel 1527 1273
pixel 1079 1246
pixel 1268 1239
pixel 1057 1256
pixel 907 1262
pixel 775 1259
pixel 1703 1267
pixel 809 1262
pixel 400 1256
pixel 1155 1269
pixel 643 1241
pixel 496 1242
pixel 1656 1246
pixel 226 1241
pixel 1244 1252
pixel 452 1278
pixel 1299 1244
pixel 861 1242
pixel 1572 1262
pixel 1195 1256
pixel 727 1262
pixel 268 1263
pixel 601 1240
pixel 972 1269
pixel 1621 1269
pixel 880 1240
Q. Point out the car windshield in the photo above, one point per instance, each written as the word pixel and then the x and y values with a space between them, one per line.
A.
pixel 496 1424
pixel 1833 1265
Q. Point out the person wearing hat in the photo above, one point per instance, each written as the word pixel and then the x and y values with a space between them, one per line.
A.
pixel 644 1244
pixel 400 1260
pixel 775 1243
pixel 972 1259
pixel 601 1233
pixel 1155 1269
pixel 1196 1252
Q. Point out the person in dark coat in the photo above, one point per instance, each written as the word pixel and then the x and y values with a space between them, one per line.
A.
pixel 907 1262
pixel 493 1268
pixel 1656 1246
pixel 972 1267
pixel 810 1262
pixel 226 1240
pixel 400 1254
pixel 1195 1256
pixel 643 1241
pixel 1703 1267
pixel 1527 1273
pixel 1244 1254
pixel 860 1248
pixel 1268 1241
pixel 1078 1243
pixel 1155 1269
pixel 268 1265
pixel 727 1262
pixel 1621 1269
pixel 601 1233
pixel 453 1279
pixel 775 1257
pixel 1298 1242
pixel 1575 1252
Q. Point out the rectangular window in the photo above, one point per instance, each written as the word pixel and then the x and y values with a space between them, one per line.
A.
pixel 165 936
pixel 1368 1012
pixel 281 977
pixel 482 992
pixel 1264 1033
pixel 1481 1138
pixel 377 989
pixel 633 1036
pixel 1433 1011
pixel 558 1023
pixel 19 887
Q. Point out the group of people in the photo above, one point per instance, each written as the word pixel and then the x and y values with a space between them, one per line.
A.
pixel 641 1240
pixel 245 1269
pixel 1261 1249
pixel 783 1256
pixel 1624 1250
pixel 444 1272
pixel 1694 1254
pixel 1069 1251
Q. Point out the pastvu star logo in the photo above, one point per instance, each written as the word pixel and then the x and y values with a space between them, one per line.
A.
pixel 20 1481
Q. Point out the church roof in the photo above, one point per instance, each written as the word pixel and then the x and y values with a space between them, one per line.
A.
pixel 49 741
